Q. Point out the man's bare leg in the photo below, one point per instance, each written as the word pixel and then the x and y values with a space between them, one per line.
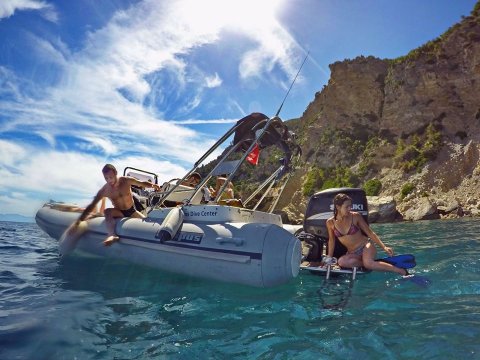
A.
pixel 110 215
pixel 138 215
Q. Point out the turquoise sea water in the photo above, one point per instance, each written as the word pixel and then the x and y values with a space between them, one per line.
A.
pixel 89 308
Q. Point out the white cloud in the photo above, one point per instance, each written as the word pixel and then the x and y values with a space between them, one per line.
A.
pixel 103 87
pixel 48 137
pixel 142 55
pixel 62 176
pixel 275 46
pixel 45 172
pixel 106 146
pixel 11 152
pixel 9 84
pixel 55 52
pixel 25 207
pixel 213 81
pixel 8 8
pixel 200 121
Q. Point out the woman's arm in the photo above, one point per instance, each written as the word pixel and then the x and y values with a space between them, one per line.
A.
pixel 362 224
pixel 331 237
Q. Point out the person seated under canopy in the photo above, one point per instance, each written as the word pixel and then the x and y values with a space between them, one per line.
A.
pixel 193 180
pixel 228 193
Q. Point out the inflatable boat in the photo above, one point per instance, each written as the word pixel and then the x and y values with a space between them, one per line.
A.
pixel 189 233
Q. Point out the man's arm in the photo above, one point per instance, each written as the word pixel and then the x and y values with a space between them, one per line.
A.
pixel 91 206
pixel 142 184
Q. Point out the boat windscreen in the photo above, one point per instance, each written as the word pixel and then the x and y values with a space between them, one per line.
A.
pixel 141 177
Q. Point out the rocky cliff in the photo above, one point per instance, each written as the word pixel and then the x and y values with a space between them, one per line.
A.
pixel 410 125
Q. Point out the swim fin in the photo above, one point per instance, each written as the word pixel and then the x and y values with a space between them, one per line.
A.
pixel 405 261
pixel 419 280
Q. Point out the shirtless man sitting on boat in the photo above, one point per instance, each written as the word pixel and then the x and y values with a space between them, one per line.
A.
pixel 118 190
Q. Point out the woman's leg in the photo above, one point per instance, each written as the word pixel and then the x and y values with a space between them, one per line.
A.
pixel 350 261
pixel 369 262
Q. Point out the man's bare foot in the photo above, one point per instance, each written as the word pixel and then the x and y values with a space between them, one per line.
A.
pixel 110 240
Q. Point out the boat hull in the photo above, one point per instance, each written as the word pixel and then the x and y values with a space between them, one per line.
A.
pixel 256 254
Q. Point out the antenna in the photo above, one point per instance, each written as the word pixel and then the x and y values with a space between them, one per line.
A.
pixel 291 85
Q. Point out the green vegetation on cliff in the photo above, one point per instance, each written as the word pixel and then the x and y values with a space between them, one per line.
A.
pixel 319 179
pixel 406 189
pixel 348 145
pixel 368 156
pixel 415 154
pixel 372 187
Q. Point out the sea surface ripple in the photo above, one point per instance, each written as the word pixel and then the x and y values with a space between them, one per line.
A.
pixel 90 308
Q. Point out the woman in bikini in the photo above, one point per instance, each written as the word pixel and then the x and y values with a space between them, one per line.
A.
pixel 350 229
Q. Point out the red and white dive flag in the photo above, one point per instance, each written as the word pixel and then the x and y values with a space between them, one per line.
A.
pixel 252 158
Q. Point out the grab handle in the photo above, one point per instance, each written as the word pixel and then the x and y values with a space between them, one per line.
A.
pixel 234 241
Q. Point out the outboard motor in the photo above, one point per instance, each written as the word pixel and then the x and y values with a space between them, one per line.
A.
pixel 320 209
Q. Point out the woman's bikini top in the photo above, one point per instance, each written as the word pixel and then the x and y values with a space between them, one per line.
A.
pixel 353 230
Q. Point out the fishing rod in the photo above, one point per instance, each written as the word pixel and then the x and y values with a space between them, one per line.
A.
pixel 291 85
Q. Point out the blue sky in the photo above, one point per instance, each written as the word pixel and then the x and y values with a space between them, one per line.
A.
pixel 152 84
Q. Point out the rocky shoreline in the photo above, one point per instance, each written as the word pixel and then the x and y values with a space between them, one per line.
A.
pixel 384 209
pixel 449 187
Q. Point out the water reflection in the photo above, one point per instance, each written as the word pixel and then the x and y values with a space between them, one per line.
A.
pixel 335 292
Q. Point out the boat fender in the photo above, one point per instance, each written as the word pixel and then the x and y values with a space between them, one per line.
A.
pixel 69 239
pixel 170 225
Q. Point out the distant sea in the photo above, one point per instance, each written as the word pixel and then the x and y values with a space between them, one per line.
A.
pixel 16 218
pixel 91 308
